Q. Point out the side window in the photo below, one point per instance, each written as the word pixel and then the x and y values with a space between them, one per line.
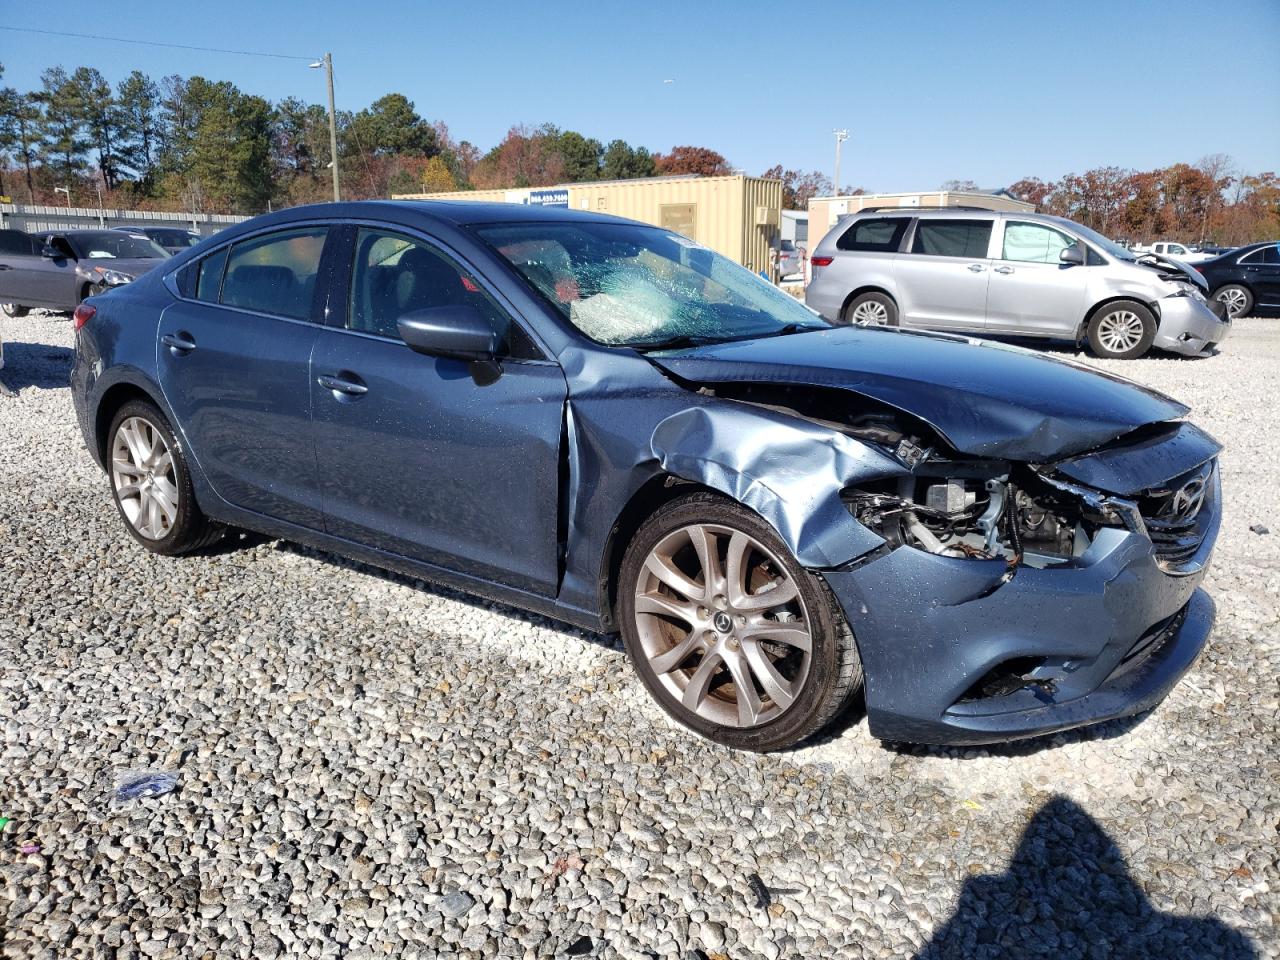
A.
pixel 1267 255
pixel 1176 250
pixel 952 238
pixel 1033 243
pixel 209 277
pixel 394 274
pixel 275 274
pixel 882 234
pixel 15 243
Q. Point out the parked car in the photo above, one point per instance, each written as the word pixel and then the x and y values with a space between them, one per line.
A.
pixel 788 259
pixel 1009 274
pixel 601 421
pixel 172 239
pixel 1245 278
pixel 58 270
pixel 1176 251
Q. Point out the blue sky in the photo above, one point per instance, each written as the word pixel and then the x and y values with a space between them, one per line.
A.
pixel 929 91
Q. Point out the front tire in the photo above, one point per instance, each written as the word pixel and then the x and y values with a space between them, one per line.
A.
pixel 151 484
pixel 14 310
pixel 1236 298
pixel 1123 330
pixel 872 310
pixel 732 637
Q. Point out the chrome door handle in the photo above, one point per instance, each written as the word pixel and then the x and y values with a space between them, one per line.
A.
pixel 1004 269
pixel 178 343
pixel 976 268
pixel 352 388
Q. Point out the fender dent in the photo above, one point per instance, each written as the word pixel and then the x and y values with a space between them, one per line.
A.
pixel 787 470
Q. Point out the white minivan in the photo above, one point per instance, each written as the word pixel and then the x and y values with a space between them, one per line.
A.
pixel 1009 274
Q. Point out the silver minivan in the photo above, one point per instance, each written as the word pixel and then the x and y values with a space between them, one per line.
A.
pixel 1009 274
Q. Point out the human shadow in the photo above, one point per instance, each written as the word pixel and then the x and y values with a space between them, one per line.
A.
pixel 35 365
pixel 1069 893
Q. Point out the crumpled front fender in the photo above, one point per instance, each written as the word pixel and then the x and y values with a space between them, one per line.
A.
pixel 786 469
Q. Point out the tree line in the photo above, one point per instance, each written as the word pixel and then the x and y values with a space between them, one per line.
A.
pixel 1209 200
pixel 194 144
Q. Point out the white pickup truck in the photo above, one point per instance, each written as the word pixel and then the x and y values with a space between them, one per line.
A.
pixel 1177 251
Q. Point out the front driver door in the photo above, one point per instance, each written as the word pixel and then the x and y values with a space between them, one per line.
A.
pixel 415 457
pixel 1032 292
pixel 234 365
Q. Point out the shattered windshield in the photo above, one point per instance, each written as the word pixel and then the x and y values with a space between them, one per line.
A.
pixel 627 284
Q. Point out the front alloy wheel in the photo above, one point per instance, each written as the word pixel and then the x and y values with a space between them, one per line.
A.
pixel 733 638
pixel 1123 330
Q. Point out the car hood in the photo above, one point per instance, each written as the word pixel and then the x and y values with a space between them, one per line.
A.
pixel 126 265
pixel 985 399
pixel 1168 266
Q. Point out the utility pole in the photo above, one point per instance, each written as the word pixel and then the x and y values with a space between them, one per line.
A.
pixel 841 136
pixel 327 64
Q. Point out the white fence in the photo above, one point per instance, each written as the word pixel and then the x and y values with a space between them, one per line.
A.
pixel 37 219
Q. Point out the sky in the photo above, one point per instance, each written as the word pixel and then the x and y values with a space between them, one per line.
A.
pixel 929 91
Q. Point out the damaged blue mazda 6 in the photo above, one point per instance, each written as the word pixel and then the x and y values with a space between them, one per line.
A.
pixel 606 423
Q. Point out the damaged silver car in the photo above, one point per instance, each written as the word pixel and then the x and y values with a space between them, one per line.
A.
pixel 606 423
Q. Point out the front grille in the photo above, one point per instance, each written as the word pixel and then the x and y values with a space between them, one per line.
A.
pixel 1174 514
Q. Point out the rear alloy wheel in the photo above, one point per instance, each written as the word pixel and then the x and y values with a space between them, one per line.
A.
pixel 1122 331
pixel 14 310
pixel 151 484
pixel 730 635
pixel 872 310
pixel 1237 299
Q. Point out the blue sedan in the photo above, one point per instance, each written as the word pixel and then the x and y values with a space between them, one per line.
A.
pixel 609 424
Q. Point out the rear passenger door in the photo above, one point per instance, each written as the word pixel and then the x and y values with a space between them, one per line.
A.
pixel 1262 273
pixel 1032 292
pixel 234 357
pixel 942 275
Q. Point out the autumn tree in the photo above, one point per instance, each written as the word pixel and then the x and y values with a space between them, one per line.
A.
pixel 1032 190
pixel 698 160
pixel 436 177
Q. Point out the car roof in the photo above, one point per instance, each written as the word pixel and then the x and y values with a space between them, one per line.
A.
pixel 455 212
pixel 963 213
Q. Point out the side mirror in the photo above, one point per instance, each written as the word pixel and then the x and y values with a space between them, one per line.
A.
pixel 459 333
pixel 50 252
pixel 1073 255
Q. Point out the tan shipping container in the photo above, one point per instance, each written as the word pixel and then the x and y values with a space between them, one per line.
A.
pixel 736 215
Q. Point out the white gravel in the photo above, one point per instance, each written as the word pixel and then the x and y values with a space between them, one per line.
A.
pixel 370 767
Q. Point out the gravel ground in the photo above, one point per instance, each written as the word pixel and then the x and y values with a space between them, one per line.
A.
pixel 367 766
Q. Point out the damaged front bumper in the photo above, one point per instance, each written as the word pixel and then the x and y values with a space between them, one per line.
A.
pixel 955 653
pixel 1188 325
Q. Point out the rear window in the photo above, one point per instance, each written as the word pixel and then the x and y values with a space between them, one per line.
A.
pixel 952 238
pixel 883 234
pixel 1269 254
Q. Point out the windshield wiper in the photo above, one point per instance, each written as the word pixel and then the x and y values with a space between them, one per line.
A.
pixel 675 343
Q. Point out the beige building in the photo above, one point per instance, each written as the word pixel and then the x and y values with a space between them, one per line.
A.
pixel 737 216
pixel 825 211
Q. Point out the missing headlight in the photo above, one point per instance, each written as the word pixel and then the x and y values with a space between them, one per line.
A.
pixel 1017 520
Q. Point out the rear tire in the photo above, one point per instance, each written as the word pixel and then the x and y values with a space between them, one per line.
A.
pixel 151 483
pixel 1236 298
pixel 14 310
pixel 694 629
pixel 872 310
pixel 1123 330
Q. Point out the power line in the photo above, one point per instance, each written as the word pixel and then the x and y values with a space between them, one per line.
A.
pixel 155 43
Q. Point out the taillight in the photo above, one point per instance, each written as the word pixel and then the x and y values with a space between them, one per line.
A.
pixel 821 261
pixel 84 313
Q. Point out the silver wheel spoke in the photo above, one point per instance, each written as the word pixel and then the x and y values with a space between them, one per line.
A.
pixel 129 490
pixel 792 634
pixel 749 705
pixel 139 449
pixel 696 691
pixel 166 497
pixel 783 591
pixel 735 567
pixel 708 550
pixel 663 605
pixel 665 570
pixel 126 468
pixel 677 655
pixel 774 683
